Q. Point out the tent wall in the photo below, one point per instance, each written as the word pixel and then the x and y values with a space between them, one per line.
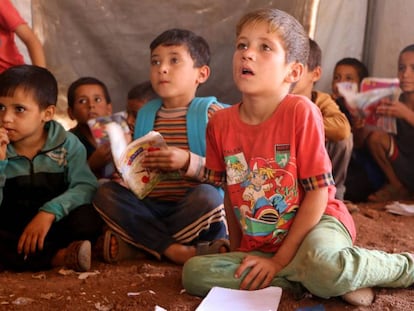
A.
pixel 109 39
pixel 340 32
pixel 390 30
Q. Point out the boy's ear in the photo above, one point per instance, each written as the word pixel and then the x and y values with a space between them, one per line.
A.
pixel 203 74
pixel 316 74
pixel 49 113
pixel 296 71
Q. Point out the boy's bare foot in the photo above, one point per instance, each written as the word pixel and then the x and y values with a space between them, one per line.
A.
pixel 179 253
pixel 115 249
pixel 360 297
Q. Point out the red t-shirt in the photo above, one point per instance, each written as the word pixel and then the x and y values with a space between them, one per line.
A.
pixel 10 19
pixel 269 167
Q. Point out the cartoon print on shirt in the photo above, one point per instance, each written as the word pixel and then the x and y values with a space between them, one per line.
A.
pixel 236 168
pixel 264 210
pixel 257 184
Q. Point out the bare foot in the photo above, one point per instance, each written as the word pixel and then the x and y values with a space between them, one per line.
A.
pixel 179 253
pixel 113 248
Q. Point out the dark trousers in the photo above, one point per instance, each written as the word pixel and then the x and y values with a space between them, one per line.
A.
pixel 83 223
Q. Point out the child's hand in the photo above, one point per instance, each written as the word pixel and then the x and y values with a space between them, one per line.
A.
pixel 100 157
pixel 393 109
pixel 33 236
pixel 4 141
pixel 168 159
pixel 262 271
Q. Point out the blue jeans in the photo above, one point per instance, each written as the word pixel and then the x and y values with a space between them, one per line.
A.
pixel 326 264
pixel 154 225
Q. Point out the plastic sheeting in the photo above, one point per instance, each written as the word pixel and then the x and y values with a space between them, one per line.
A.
pixel 109 39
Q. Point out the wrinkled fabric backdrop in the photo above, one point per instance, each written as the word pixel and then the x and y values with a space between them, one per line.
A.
pixel 109 39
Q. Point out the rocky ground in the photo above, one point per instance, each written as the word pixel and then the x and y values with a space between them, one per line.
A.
pixel 150 285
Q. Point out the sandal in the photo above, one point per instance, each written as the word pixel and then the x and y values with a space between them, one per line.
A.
pixel 389 193
pixel 213 247
pixel 125 250
pixel 78 256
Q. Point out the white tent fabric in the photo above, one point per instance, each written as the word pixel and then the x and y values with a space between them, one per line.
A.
pixel 109 39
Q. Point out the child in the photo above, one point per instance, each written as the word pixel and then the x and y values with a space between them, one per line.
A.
pixel 347 69
pixel 285 225
pixel 12 23
pixel 338 138
pixel 364 176
pixel 89 98
pixel 394 153
pixel 181 217
pixel 46 185
pixel 137 97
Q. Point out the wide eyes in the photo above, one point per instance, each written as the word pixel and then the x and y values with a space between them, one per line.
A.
pixel 265 47
pixel 20 109
pixel 244 46
pixel 17 108
pixel 155 62
pixel 346 78
pixel 241 46
pixel 83 101
pixel 172 61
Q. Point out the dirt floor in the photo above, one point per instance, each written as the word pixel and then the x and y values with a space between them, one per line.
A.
pixel 146 284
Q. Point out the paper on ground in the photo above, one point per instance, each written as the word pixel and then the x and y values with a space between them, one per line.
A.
pixel 400 208
pixel 266 299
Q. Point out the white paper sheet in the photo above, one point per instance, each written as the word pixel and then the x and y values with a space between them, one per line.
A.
pixel 400 208
pixel 266 299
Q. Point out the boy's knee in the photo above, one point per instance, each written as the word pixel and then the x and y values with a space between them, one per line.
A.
pixel 325 275
pixel 192 277
pixel 208 195
pixel 106 191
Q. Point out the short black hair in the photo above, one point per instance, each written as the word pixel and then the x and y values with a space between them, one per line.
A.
pixel 408 48
pixel 142 91
pixel 357 64
pixel 36 80
pixel 197 46
pixel 86 81
pixel 315 55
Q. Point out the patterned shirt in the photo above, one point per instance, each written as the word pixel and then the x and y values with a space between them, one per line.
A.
pixel 171 123
pixel 268 168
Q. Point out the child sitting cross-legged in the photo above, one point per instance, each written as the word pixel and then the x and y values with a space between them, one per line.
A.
pixel 286 228
pixel 182 216
pixel 46 186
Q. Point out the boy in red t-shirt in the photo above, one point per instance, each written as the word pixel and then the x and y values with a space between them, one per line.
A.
pixel 285 226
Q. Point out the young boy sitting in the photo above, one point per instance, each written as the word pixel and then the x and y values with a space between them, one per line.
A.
pixel 286 228
pixel 181 217
pixel 364 176
pixel 138 96
pixel 46 185
pixel 89 98
pixel 338 138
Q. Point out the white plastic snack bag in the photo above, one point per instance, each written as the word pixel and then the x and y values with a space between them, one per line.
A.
pixel 128 158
